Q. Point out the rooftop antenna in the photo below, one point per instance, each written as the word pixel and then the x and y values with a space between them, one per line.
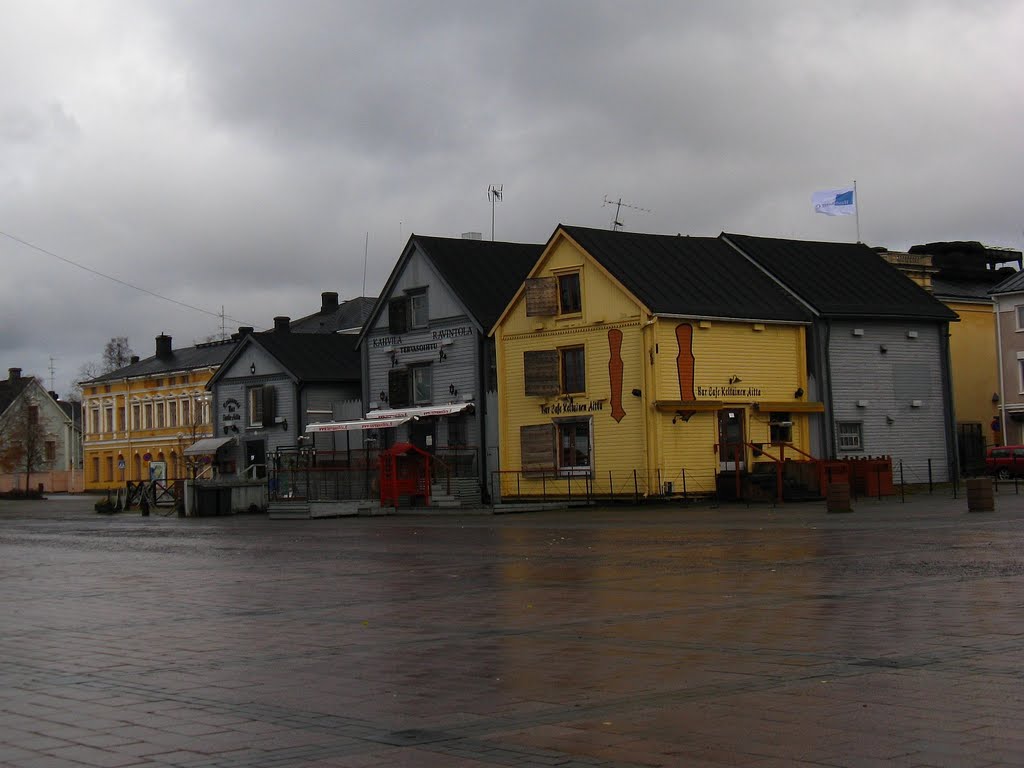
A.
pixel 494 195
pixel 223 324
pixel 619 205
pixel 366 250
pixel 52 371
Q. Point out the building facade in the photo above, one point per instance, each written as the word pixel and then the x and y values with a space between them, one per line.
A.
pixel 427 358
pixel 878 355
pixel 39 430
pixel 139 420
pixel 646 364
pixel 1009 312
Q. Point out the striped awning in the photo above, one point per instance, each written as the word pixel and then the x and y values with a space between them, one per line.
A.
pixel 355 424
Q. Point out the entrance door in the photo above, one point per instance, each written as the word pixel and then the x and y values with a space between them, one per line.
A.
pixel 731 449
pixel 256 455
pixel 423 434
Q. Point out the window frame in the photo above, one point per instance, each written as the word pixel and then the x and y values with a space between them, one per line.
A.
pixel 1018 312
pixel 859 426
pixel 418 314
pixel 415 375
pixel 575 307
pixel 777 433
pixel 574 469
pixel 565 385
pixel 254 406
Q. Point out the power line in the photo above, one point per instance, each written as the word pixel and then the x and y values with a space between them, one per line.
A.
pixel 34 247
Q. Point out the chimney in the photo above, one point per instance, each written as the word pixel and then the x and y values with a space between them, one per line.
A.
pixel 133 359
pixel 281 324
pixel 163 346
pixel 328 301
pixel 53 394
pixel 13 374
pixel 243 331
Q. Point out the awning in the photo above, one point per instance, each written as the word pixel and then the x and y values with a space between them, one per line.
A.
pixel 419 412
pixel 689 405
pixel 355 424
pixel 207 446
pixel 792 406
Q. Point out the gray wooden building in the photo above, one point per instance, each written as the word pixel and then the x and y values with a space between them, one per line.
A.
pixel 877 353
pixel 275 383
pixel 428 363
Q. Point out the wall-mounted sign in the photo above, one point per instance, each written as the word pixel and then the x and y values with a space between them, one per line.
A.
pixel 728 391
pixel 571 406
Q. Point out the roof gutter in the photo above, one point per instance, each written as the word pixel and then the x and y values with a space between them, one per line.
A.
pixel 674 316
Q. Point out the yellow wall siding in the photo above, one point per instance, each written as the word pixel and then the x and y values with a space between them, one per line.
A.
pixel 974 363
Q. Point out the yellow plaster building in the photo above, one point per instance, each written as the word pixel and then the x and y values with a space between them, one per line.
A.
pixel 139 419
pixel 648 364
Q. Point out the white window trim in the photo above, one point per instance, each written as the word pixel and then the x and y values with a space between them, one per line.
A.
pixel 574 470
pixel 860 436
pixel 1017 309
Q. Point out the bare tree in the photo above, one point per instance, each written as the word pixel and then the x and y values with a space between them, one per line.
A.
pixel 117 354
pixel 23 446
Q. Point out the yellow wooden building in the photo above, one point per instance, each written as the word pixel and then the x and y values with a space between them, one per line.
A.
pixel 139 420
pixel 647 364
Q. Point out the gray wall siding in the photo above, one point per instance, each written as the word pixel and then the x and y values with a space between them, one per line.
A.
pixel 419 273
pixel 327 402
pixel 886 384
pixel 274 437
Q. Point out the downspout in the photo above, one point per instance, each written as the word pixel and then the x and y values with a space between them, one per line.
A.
pixel 1002 376
pixel 828 423
pixel 481 413
pixel 950 413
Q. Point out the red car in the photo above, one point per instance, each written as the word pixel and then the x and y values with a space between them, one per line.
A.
pixel 1005 461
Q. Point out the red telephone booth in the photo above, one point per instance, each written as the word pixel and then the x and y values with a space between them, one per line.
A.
pixel 404 471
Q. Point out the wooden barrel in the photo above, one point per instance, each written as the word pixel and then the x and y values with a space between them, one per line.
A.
pixel 980 497
pixel 837 498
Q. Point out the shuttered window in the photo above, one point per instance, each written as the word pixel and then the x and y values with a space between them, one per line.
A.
pixel 269 405
pixel 541 372
pixel 541 296
pixel 398 388
pixel 537 447
pixel 398 315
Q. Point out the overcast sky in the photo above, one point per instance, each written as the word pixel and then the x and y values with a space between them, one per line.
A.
pixel 241 154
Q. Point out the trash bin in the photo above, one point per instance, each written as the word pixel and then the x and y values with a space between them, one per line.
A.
pixel 980 497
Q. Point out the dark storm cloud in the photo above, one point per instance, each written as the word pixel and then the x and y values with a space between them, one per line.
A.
pixel 244 154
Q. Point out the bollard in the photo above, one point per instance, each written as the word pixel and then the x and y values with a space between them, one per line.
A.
pixel 837 498
pixel 980 497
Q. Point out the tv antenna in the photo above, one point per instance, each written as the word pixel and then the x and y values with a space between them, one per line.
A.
pixel 619 205
pixel 494 192
pixel 52 372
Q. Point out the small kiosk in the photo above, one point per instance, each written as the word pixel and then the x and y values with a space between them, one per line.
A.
pixel 404 471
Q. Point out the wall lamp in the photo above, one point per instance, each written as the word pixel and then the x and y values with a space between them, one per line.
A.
pixel 890 420
pixel 995 397
pixel 252 369
pixel 799 393
pixel 637 393
pixel 735 379
pixel 284 425
pixel 452 390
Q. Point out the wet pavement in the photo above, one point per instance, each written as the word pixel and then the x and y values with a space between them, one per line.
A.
pixel 625 636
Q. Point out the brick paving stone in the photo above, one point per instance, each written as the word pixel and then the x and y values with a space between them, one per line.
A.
pixel 660 635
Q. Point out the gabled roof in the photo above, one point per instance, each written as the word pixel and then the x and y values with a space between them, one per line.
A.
pixel 10 389
pixel 482 274
pixel 688 276
pixel 308 357
pixel 969 290
pixel 842 280
pixel 184 359
pixel 1013 284
pixel 346 316
pixel 314 357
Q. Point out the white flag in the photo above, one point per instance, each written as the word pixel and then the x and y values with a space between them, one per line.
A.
pixel 835 202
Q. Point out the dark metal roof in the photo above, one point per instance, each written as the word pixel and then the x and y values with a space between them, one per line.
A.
pixel 185 359
pixel 314 357
pixel 1012 284
pixel 690 276
pixel 348 315
pixel 484 274
pixel 10 389
pixel 971 290
pixel 842 280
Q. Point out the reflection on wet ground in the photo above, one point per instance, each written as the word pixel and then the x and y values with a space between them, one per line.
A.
pixel 626 636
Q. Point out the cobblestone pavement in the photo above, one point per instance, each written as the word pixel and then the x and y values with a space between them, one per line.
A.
pixel 625 636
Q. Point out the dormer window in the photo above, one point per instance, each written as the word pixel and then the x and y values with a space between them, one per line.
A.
pixel 408 311
pixel 569 300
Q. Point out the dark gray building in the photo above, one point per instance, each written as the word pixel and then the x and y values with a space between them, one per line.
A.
pixel 877 354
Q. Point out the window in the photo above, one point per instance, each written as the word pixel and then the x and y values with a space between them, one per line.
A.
pixel 108 418
pixel 172 413
pixel 186 412
pixel 422 390
pixel 158 409
pixel 457 432
pixel 1020 372
pixel 136 416
pixel 33 414
pixel 408 311
pixel 94 421
pixel 849 435
pixel 418 314
pixel 574 377
pixel 574 446
pixel 51 450
pixel 1019 310
pixel 261 406
pixel 780 427
pixel 147 416
pixel 120 419
pixel 569 294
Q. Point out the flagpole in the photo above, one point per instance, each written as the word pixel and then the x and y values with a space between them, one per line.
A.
pixel 856 208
